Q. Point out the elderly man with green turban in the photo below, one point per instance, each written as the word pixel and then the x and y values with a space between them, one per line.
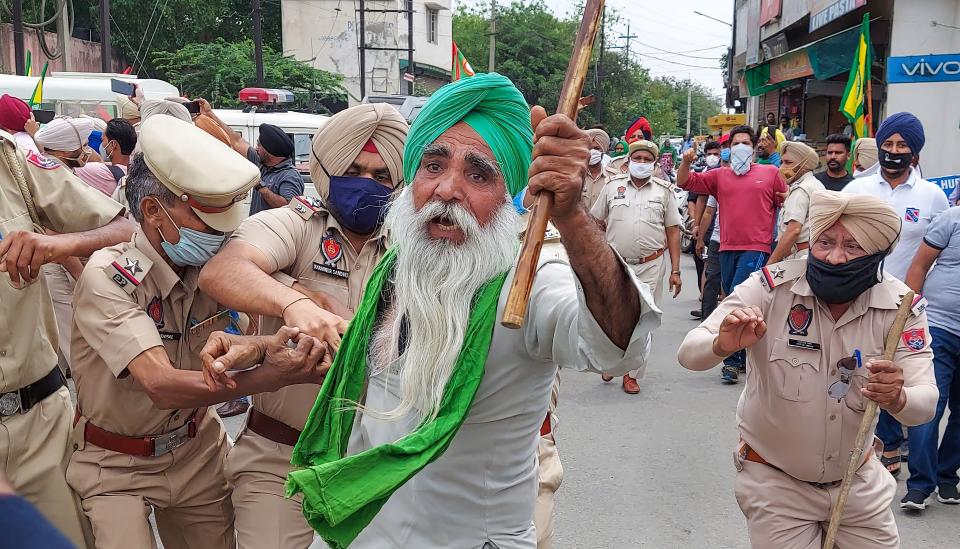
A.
pixel 425 430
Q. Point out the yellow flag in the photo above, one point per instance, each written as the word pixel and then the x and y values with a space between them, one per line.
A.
pixel 37 97
pixel 854 102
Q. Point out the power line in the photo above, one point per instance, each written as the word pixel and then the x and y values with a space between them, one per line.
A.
pixel 676 53
pixel 672 62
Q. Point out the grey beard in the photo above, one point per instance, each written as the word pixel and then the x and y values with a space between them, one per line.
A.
pixel 434 284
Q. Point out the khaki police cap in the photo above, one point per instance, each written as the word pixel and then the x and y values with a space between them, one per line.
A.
pixel 644 145
pixel 210 176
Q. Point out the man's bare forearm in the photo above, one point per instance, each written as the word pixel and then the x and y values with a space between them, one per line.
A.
pixel 273 199
pixel 240 284
pixel 84 243
pixel 673 246
pixel 611 296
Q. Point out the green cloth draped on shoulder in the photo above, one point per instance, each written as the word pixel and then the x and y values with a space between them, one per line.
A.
pixel 342 495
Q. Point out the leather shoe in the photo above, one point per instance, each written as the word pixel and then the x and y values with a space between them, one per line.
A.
pixel 233 408
pixel 630 385
pixel 606 378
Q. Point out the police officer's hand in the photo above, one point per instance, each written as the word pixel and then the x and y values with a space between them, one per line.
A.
pixel 315 321
pixel 205 107
pixel 31 126
pixel 675 284
pixel 885 385
pixel 560 154
pixel 307 362
pixel 23 253
pixel 740 329
pixel 689 156
pixel 224 352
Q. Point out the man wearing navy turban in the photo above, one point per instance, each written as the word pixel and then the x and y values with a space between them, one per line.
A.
pixel 425 431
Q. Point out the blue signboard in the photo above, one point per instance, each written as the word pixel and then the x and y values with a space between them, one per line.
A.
pixel 923 68
pixel 948 183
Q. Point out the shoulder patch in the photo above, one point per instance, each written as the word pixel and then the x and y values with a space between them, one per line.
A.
pixel 774 275
pixel 919 305
pixel 914 339
pixel 41 161
pixel 305 206
pixel 129 269
pixel 662 182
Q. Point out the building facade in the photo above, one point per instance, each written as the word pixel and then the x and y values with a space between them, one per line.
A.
pixel 793 57
pixel 327 34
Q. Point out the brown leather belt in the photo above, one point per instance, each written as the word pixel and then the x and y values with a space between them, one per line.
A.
pixel 272 429
pixel 803 245
pixel 547 427
pixel 150 446
pixel 647 259
pixel 749 454
pixel 25 398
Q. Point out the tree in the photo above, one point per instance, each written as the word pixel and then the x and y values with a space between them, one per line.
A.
pixel 218 70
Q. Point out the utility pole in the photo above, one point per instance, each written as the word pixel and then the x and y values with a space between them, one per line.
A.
pixel 598 92
pixel 628 37
pixel 106 63
pixel 411 65
pixel 18 54
pixel 257 42
pixel 689 97
pixel 63 31
pixel 363 51
pixel 491 64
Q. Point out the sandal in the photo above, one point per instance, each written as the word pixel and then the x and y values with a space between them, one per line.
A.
pixel 892 463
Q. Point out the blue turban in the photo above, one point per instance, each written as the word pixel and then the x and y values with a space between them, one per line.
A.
pixel 907 125
pixel 494 108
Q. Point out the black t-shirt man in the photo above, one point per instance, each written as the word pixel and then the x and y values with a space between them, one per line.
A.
pixel 834 183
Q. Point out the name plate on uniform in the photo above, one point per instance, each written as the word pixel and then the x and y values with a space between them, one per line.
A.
pixel 170 336
pixel 327 269
pixel 803 344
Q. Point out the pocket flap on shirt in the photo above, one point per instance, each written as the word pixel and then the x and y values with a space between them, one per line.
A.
pixel 795 355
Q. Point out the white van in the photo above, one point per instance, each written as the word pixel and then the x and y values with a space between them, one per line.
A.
pixel 300 126
pixel 76 93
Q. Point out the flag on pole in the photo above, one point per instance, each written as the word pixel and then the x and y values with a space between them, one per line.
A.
pixel 854 102
pixel 28 65
pixel 37 97
pixel 461 67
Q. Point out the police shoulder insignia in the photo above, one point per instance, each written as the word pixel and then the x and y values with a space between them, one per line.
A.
pixel 129 269
pixel 914 339
pixel 919 305
pixel 774 275
pixel 305 206
pixel 41 161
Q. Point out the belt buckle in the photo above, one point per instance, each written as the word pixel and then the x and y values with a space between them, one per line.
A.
pixel 10 403
pixel 171 441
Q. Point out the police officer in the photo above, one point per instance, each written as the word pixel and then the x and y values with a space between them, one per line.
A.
pixel 143 435
pixel 798 161
pixel 642 220
pixel 35 410
pixel 325 250
pixel 814 329
pixel 597 175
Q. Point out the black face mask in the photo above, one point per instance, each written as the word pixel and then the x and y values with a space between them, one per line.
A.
pixel 845 282
pixel 895 161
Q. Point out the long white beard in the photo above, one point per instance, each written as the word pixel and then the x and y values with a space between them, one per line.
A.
pixel 434 283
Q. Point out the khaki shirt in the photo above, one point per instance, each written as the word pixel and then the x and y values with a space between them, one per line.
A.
pixel 128 300
pixel 637 217
pixel 28 331
pixel 592 187
pixel 797 205
pixel 785 412
pixel 305 242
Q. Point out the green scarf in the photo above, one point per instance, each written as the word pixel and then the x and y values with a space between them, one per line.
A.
pixel 341 495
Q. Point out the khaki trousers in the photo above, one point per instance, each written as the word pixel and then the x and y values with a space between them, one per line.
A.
pixel 257 468
pixel 785 513
pixel 550 475
pixel 650 273
pixel 60 286
pixel 184 488
pixel 34 453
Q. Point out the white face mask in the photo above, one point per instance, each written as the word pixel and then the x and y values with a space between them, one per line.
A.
pixel 713 161
pixel 595 157
pixel 641 170
pixel 741 156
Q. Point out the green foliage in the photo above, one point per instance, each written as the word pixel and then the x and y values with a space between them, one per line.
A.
pixel 218 70
pixel 533 49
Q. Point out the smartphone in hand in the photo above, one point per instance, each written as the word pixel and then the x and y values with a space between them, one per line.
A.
pixel 44 116
pixel 123 87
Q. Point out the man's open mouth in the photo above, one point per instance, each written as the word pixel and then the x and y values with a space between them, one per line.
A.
pixel 444 223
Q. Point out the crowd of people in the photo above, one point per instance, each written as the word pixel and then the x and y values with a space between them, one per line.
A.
pixel 388 406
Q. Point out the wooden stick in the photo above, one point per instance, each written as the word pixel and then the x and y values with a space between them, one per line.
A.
pixel 516 307
pixel 866 424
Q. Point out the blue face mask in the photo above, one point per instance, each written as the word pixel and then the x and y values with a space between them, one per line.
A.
pixel 360 203
pixel 194 247
pixel 725 155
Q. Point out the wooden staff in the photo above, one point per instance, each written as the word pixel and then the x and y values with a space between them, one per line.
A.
pixel 516 308
pixel 866 424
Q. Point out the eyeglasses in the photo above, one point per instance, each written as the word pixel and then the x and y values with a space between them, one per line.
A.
pixel 846 366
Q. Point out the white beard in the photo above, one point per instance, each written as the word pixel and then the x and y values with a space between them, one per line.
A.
pixel 433 285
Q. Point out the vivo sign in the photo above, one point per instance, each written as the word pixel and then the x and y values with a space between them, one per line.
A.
pixel 923 68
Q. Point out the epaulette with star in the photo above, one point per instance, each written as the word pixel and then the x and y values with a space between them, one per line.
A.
pixel 776 274
pixel 306 206
pixel 129 269
pixel 662 182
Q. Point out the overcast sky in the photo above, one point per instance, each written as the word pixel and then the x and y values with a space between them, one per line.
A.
pixel 672 26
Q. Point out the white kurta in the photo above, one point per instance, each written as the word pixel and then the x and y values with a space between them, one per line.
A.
pixel 481 492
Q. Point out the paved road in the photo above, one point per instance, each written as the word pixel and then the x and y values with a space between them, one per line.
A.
pixel 656 469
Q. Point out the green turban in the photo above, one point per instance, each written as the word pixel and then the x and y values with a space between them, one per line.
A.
pixel 494 108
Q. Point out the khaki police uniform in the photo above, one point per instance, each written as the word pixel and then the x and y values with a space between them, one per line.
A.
pixel 303 243
pixel 795 437
pixel 130 456
pixel 796 207
pixel 592 187
pixel 35 408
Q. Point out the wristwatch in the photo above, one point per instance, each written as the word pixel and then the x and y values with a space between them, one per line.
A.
pixel 258 186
